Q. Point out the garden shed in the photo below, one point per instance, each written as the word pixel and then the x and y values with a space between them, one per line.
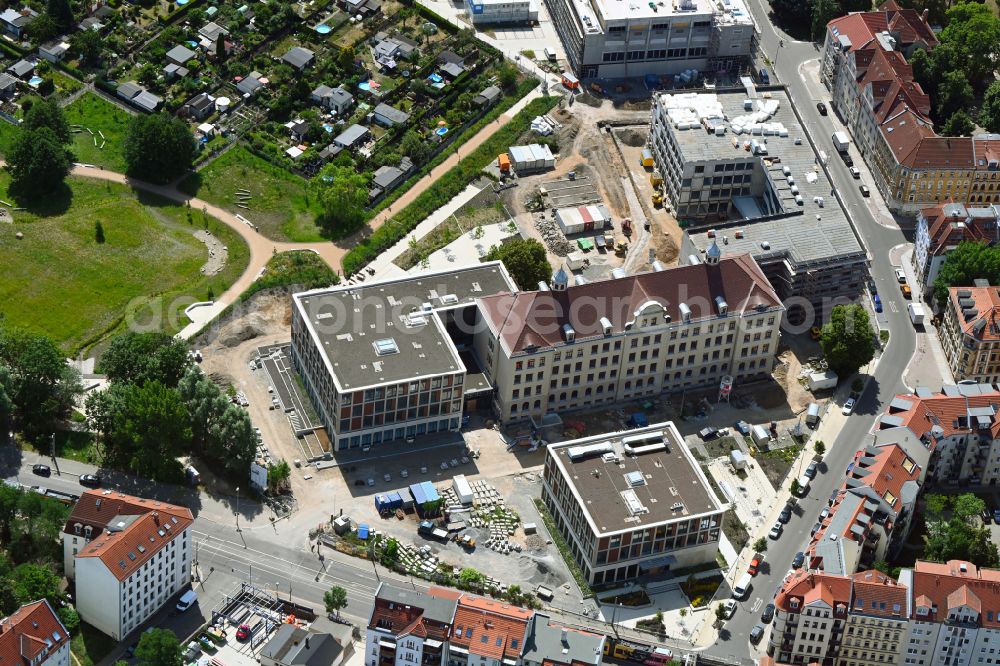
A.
pixel 425 498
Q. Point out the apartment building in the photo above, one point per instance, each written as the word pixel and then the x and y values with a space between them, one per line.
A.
pixel 632 503
pixel 609 39
pixel 33 635
pixel 577 345
pixel 448 627
pixel 128 555
pixel 877 621
pixel 888 113
pixel 940 229
pixel 811 611
pixel 970 336
pixel 388 361
pixel 502 12
pixel 959 427
pixel 737 169
pixel 955 614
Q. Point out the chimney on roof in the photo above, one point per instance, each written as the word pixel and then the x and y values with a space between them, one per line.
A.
pixel 156 517
pixel 924 14
pixel 565 636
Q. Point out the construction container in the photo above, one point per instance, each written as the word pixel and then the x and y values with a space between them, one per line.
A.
pixel 647 158
pixel 503 161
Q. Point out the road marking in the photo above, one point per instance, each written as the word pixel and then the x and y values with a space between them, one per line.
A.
pixel 758 602
pixel 893 306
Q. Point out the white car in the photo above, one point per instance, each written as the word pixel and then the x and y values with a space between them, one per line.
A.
pixel 848 407
pixel 730 607
pixel 776 531
pixel 900 276
pixel 855 172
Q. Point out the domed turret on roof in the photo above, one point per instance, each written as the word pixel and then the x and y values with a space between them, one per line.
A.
pixel 560 280
pixel 713 254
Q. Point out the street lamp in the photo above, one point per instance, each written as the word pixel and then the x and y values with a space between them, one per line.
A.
pixel 237 508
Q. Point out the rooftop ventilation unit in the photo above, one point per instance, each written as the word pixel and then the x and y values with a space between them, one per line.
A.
pixel 449 299
pixel 635 479
pixel 633 504
pixel 721 304
pixel 569 333
pixel 578 453
pixel 606 325
pixel 685 312
pixel 386 346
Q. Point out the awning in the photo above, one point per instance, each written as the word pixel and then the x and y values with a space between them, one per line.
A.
pixel 457 649
pixel 658 562
pixel 430 642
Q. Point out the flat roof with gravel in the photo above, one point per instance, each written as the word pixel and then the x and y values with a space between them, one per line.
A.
pixel 636 478
pixel 389 332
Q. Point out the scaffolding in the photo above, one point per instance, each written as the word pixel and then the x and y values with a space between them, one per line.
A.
pixel 240 605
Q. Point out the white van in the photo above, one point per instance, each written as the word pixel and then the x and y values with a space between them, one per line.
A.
pixel 187 600
pixel 742 586
pixel 803 485
pixel 550 53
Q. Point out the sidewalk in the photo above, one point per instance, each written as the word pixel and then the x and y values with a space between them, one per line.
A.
pixel 928 367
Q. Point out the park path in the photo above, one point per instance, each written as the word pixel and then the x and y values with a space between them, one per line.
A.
pixel 262 248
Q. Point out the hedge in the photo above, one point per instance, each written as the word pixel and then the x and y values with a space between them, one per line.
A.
pixel 446 187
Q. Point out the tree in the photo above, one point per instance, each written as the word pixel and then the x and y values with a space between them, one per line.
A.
pixel 935 505
pixel 277 476
pixel 343 193
pixel 345 59
pixel 968 507
pixel 140 357
pixel 820 448
pixel 969 261
pixel 88 45
pixel 158 147
pixel 954 93
pixel 525 260
pixel 974 31
pixel 823 11
pixel 38 163
pixel 471 578
pixel 61 13
pixel 507 76
pixel 795 487
pixel 414 147
pixel 793 15
pixel 957 539
pixel 41 29
pixel 989 112
pixel 335 599
pixel 847 339
pixel 6 403
pixel 70 618
pixel 959 124
pixel 36 581
pixel 159 647
pixel 221 431
pixel 220 48
pixel 46 113
pixel 760 545
pixel 720 613
pixel 40 384
pixel 99 233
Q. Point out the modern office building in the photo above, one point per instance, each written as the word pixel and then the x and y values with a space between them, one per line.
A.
pixel 611 39
pixel 387 361
pixel 738 169
pixel 33 635
pixel 128 555
pixel 448 628
pixel 502 12
pixel 632 503
pixel 888 113
pixel 576 345
pixel 970 336
pixel 940 229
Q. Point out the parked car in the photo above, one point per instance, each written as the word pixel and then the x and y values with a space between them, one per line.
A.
pixel 812 469
pixel 768 614
pixel 755 564
pixel 785 515
pixel 730 607
pixel 821 107
pixel 996 516
pixel 776 531
pixel 90 480
pixel 907 292
pixel 848 160
pixel 41 470
pixel 756 633
pixel 798 560
pixel 855 173
pixel 865 192
pixel 987 516
pixel 877 302
pixel 848 407
pixel 900 276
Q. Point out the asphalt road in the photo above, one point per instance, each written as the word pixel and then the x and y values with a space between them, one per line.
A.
pixel 887 380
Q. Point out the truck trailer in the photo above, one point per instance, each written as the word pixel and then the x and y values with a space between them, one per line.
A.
pixel 917 314
pixel 841 141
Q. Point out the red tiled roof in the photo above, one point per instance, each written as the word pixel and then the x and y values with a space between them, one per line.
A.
pixel 877 594
pixel 812 586
pixel 905 25
pixel 491 629
pixel 536 318
pixel 946 230
pixel 128 530
pixel 987 304
pixel 944 411
pixel 954 584
pixel 890 471
pixel 30 630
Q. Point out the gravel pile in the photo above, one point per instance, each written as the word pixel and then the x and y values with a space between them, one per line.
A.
pixel 552 234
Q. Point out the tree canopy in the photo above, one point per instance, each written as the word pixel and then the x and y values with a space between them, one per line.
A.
pixel 525 260
pixel 969 261
pixel 141 357
pixel 335 599
pixel 45 113
pixel 343 193
pixel 61 13
pixel 848 339
pixel 158 147
pixel 38 163
pixel 159 647
pixel 989 111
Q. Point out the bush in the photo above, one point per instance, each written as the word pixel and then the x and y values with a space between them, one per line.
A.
pixel 299 267
pixel 446 187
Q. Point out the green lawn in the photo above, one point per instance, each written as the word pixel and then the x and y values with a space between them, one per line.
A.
pixel 90 646
pixel 280 205
pixel 98 115
pixel 59 281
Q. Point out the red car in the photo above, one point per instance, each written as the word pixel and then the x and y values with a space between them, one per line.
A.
pixel 755 564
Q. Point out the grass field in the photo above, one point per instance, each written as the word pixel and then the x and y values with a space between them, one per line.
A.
pixel 90 646
pixel 59 281
pixel 280 205
pixel 99 115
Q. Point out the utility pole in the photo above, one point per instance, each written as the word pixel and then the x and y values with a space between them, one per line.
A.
pixel 237 508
